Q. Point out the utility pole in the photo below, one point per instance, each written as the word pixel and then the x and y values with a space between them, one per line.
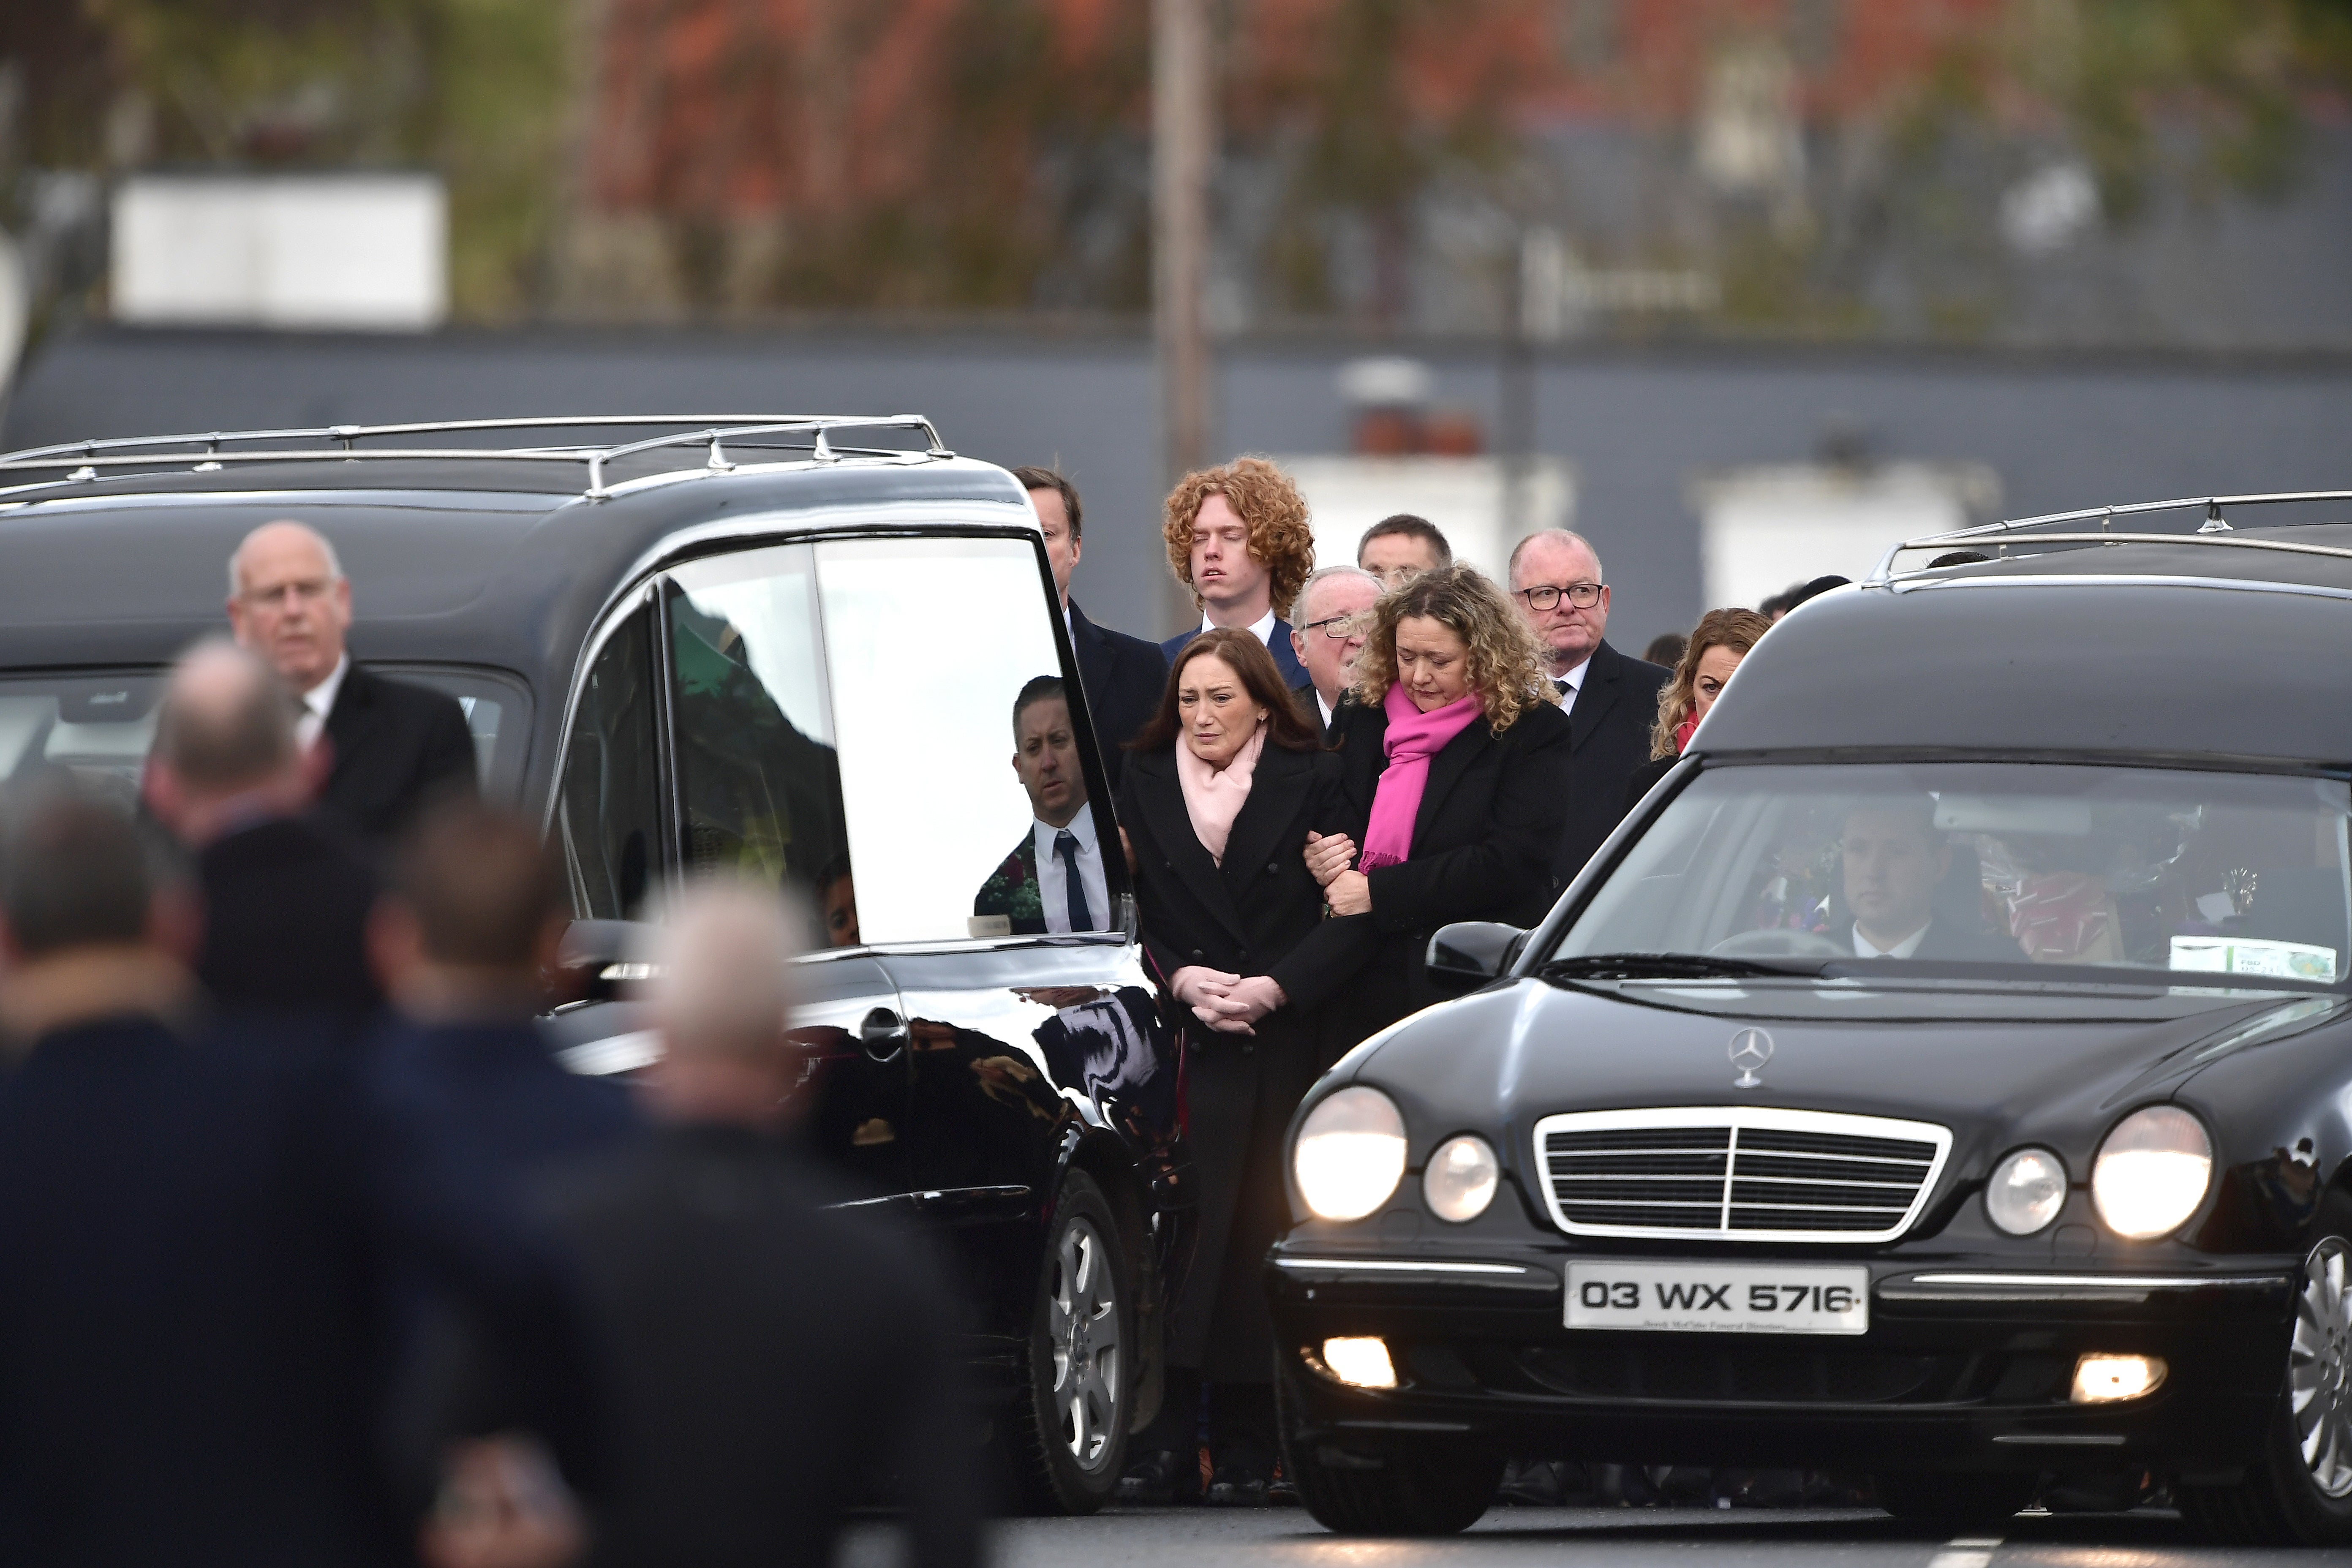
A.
pixel 1184 156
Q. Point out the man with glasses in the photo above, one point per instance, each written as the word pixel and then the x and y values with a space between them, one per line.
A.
pixel 390 746
pixel 1611 701
pixel 1335 613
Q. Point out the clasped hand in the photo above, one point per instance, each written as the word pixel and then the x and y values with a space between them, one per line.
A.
pixel 1228 1004
pixel 1328 860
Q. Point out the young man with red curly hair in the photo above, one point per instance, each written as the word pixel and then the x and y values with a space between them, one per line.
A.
pixel 1238 537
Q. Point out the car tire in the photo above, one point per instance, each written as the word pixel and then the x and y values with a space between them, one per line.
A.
pixel 2299 1492
pixel 1068 1441
pixel 1953 1500
pixel 1402 1488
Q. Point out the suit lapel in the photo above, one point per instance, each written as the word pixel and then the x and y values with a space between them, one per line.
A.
pixel 1273 803
pixel 1163 806
pixel 1446 768
pixel 1595 697
pixel 347 721
pixel 1087 646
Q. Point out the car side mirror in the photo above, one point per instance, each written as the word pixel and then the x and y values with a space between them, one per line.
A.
pixel 597 958
pixel 1474 952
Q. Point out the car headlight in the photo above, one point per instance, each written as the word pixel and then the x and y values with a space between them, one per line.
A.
pixel 1460 1181
pixel 2152 1172
pixel 2026 1192
pixel 1350 1153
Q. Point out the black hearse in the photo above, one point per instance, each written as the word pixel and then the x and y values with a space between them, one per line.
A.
pixel 1946 1073
pixel 718 642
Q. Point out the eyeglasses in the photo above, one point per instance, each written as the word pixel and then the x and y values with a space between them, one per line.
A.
pixel 1583 596
pixel 1339 627
pixel 299 592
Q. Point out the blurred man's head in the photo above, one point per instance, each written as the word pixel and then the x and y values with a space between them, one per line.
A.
pixel 1045 752
pixel 1892 858
pixel 1550 571
pixel 225 753
pixel 88 928
pixel 722 995
pixel 289 602
pixel 1398 549
pixel 1335 600
pixel 1055 502
pixel 475 913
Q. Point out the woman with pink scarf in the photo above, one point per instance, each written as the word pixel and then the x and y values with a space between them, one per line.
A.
pixel 1456 755
pixel 1220 794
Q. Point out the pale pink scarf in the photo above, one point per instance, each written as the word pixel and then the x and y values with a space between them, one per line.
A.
pixel 1413 738
pixel 1213 797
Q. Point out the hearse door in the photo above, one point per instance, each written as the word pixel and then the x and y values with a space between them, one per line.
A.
pixel 759 793
pixel 942 818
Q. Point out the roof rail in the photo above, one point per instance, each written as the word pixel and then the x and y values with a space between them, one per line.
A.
pixel 214 449
pixel 2214 531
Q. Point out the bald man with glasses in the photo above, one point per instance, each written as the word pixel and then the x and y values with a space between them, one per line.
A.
pixel 391 746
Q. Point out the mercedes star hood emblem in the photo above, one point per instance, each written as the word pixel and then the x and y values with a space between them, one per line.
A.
pixel 1750 1049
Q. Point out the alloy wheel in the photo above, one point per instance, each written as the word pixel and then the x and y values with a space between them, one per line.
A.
pixel 2319 1364
pixel 1083 1318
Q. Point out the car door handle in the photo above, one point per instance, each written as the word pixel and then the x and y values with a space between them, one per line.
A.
pixel 883 1033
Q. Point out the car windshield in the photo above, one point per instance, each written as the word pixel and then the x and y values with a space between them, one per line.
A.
pixel 1933 866
pixel 96 728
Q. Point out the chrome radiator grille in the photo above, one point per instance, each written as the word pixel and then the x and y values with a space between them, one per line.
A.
pixel 1737 1173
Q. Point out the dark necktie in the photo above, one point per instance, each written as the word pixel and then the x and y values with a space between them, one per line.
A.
pixel 1066 850
pixel 1560 685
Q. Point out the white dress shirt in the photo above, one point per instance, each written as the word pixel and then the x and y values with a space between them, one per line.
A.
pixel 318 702
pixel 1261 628
pixel 1052 888
pixel 1325 706
pixel 1864 948
pixel 1575 678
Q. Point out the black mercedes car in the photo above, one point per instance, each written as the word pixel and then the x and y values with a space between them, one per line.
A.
pixel 787 647
pixel 1945 1074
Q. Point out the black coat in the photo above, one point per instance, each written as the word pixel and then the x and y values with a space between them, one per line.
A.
pixel 397 747
pixel 1482 843
pixel 185 1340
pixel 1260 913
pixel 284 921
pixel 1609 738
pixel 754 1357
pixel 1123 677
pixel 1285 657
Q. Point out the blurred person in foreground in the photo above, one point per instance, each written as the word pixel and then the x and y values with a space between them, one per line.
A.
pixel 387 747
pixel 285 893
pixel 1239 538
pixel 1226 787
pixel 1122 675
pixel 1557 584
pixel 1717 645
pixel 1400 548
pixel 754 1355
pixel 185 1341
pixel 1334 612
pixel 1456 758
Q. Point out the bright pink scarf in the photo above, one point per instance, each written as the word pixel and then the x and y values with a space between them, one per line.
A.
pixel 1413 738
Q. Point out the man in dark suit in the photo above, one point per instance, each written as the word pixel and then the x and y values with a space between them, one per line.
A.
pixel 1893 861
pixel 1612 701
pixel 1054 879
pixel 1334 616
pixel 755 1356
pixel 1122 675
pixel 285 893
pixel 391 746
pixel 185 1340
pixel 1238 537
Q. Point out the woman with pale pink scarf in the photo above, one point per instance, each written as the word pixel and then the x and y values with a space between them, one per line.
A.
pixel 1456 757
pixel 1219 796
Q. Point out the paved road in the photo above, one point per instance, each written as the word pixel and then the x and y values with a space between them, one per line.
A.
pixel 1600 1538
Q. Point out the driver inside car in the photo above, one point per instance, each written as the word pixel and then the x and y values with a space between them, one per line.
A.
pixel 1893 859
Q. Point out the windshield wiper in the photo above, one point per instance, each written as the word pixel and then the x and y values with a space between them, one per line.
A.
pixel 1676 965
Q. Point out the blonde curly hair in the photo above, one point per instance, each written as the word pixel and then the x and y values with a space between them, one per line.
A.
pixel 1270 507
pixel 1504 670
pixel 1737 630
